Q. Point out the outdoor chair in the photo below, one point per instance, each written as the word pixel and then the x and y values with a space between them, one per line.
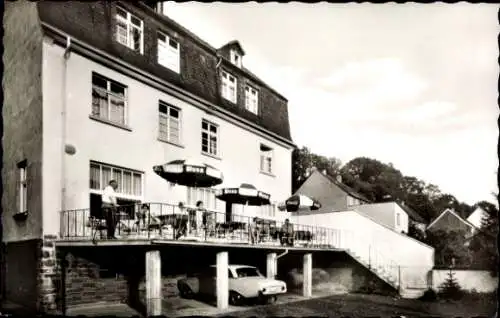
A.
pixel 96 226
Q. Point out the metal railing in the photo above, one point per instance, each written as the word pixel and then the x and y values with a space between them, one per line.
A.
pixel 172 222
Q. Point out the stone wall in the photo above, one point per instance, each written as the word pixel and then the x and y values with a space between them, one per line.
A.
pixel 87 281
pixel 49 279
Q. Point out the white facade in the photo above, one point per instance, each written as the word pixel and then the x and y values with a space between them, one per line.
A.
pixel 389 214
pixel 137 146
pixel 400 248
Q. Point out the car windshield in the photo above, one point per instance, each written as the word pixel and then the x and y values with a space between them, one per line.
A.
pixel 247 272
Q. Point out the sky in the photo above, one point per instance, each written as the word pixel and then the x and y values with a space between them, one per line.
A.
pixel 414 85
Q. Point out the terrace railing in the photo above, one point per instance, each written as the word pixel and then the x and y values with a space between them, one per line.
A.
pixel 172 222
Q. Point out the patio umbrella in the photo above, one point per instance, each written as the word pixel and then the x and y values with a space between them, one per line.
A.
pixel 190 173
pixel 245 194
pixel 299 202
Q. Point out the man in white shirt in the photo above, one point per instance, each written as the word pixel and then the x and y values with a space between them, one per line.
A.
pixel 109 207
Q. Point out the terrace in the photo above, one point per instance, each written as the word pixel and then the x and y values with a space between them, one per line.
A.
pixel 167 222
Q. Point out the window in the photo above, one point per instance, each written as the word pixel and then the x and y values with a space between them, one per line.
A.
pixel 130 182
pixel 352 201
pixel 229 87
pixel 129 30
pixel 268 211
pixel 23 187
pixel 252 99
pixel 235 58
pixel 206 195
pixel 108 99
pixel 398 221
pixel 209 138
pixel 169 123
pixel 168 52
pixel 266 159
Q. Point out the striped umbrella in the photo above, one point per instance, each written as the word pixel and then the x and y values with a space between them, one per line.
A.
pixel 300 202
pixel 190 173
pixel 245 194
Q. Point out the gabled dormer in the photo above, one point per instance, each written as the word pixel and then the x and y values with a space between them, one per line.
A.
pixel 233 51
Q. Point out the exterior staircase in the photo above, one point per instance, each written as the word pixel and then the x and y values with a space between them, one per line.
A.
pixel 378 270
pixel 383 267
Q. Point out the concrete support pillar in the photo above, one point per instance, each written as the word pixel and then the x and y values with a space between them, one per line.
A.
pixel 222 281
pixel 153 283
pixel 271 265
pixel 307 276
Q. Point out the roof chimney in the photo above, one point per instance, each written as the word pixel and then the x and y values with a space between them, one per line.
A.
pixel 339 178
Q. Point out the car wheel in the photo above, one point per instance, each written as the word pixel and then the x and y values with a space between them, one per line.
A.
pixel 234 298
pixel 185 291
pixel 272 299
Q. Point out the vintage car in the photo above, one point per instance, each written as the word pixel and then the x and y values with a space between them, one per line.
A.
pixel 245 282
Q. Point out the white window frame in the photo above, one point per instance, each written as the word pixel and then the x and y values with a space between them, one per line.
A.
pixel 129 26
pixel 119 194
pixel 252 99
pixel 398 219
pixel 235 58
pixel 166 52
pixel 350 201
pixel 23 188
pixel 169 119
pixel 206 195
pixel 268 211
pixel 265 158
pixel 210 134
pixel 109 95
pixel 229 81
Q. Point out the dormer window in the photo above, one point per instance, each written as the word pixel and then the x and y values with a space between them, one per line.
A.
pixel 235 58
pixel 129 30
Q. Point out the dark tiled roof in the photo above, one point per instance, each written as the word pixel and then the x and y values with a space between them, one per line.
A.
pixel 93 23
pixel 412 213
pixel 233 43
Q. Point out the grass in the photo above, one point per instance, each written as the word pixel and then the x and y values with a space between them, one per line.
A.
pixel 357 305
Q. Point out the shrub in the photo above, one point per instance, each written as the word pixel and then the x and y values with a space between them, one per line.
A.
pixel 429 295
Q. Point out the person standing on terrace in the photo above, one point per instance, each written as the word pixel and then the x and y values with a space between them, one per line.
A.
pixel 254 231
pixel 287 233
pixel 109 207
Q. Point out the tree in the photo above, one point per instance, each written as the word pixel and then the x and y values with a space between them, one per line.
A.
pixel 303 161
pixel 448 246
pixel 450 288
pixel 416 233
pixel 301 166
pixel 484 243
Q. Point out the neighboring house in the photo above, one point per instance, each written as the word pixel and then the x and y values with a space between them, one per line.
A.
pixel 390 214
pixel 101 90
pixel 449 221
pixel 331 192
pixel 476 217
pixel 415 219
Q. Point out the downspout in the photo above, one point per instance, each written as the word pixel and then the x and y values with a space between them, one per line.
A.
pixel 66 56
pixel 276 263
pixel 282 254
